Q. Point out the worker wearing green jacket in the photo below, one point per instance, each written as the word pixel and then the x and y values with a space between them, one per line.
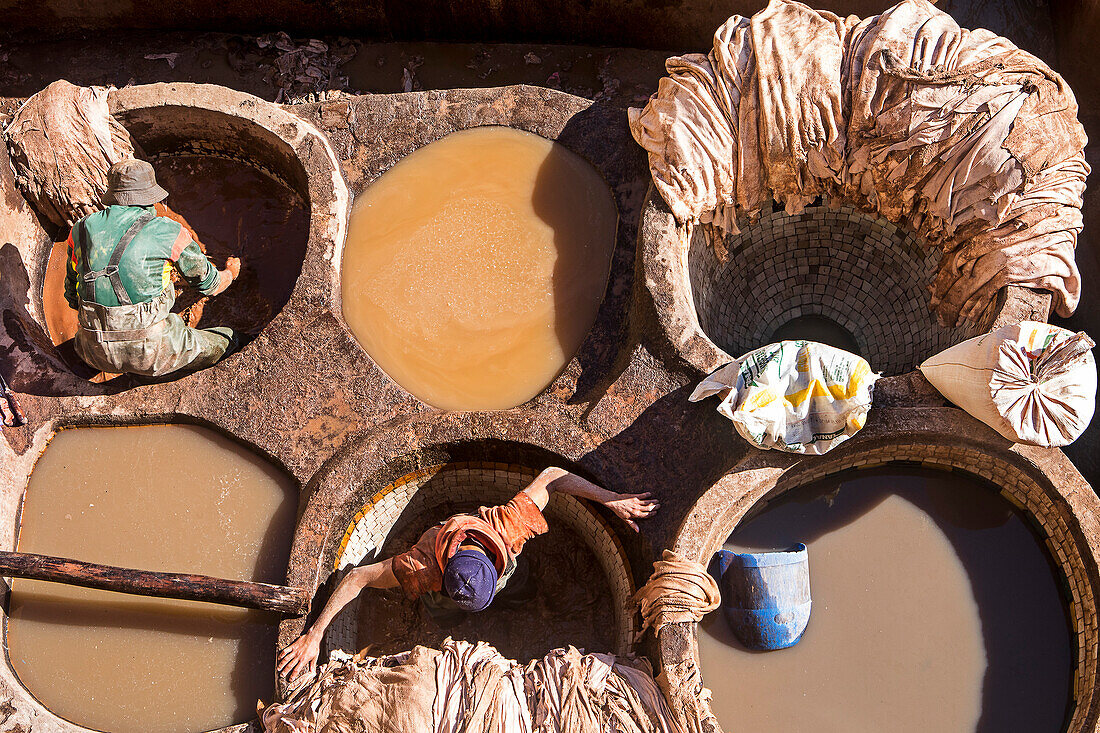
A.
pixel 119 281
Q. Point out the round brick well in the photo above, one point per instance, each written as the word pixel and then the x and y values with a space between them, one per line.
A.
pixel 395 515
pixel 833 274
pixel 862 274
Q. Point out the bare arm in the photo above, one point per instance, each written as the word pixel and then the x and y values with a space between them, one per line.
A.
pixel 628 507
pixel 301 656
pixel 226 277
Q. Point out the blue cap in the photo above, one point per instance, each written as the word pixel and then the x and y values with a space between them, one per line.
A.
pixel 470 580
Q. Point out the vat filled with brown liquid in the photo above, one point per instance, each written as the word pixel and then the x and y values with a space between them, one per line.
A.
pixel 935 608
pixel 475 266
pixel 169 498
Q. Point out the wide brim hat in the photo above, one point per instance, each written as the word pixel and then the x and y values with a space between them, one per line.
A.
pixel 132 183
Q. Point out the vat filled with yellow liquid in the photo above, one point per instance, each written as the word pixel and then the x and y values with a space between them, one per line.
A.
pixel 475 266
pixel 935 608
pixel 168 498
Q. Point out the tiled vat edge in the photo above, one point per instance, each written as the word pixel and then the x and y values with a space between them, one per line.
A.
pixel 352 479
pixel 1041 482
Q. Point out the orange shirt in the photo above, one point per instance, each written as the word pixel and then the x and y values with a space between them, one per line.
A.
pixel 502 529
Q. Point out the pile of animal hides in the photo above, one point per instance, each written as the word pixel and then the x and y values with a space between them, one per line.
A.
pixel 473 689
pixel 955 134
pixel 62 141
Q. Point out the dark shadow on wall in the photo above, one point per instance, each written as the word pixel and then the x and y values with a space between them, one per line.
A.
pixel 602 269
pixel 30 362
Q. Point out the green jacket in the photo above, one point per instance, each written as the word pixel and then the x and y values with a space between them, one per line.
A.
pixel 146 266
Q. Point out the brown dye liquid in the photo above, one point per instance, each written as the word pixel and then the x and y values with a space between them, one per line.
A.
pixel 474 267
pixel 571 605
pixel 935 608
pixel 233 209
pixel 169 498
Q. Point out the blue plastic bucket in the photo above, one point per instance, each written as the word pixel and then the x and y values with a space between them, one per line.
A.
pixel 766 596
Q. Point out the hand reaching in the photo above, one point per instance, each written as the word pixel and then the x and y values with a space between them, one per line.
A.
pixel 629 507
pixel 233 264
pixel 299 658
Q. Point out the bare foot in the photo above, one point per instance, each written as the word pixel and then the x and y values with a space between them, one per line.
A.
pixel 194 312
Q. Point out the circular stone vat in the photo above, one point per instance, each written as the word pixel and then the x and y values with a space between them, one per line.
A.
pixel 923 583
pixel 475 266
pixel 827 273
pixel 1058 505
pixel 195 501
pixel 580 574
pixel 251 180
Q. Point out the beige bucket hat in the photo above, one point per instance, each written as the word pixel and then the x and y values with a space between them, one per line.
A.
pixel 133 183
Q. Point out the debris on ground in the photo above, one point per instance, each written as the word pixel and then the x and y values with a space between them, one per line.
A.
pixel 305 70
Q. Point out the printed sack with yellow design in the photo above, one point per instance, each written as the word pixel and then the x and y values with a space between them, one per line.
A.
pixel 795 396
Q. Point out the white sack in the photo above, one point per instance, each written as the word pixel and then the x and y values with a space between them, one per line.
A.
pixel 794 396
pixel 1031 382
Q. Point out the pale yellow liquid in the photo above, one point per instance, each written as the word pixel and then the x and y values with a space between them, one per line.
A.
pixel 934 609
pixel 474 267
pixel 169 498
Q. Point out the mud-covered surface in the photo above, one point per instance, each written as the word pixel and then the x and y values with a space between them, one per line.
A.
pixel 305 395
pixel 571 605
pixel 237 210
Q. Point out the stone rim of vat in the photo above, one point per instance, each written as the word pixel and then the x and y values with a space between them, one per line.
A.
pixel 12 690
pixel 275 138
pixel 560 117
pixel 207 118
pixel 344 490
pixel 1043 484
pixel 663 246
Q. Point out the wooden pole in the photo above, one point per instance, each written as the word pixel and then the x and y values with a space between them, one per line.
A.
pixel 279 598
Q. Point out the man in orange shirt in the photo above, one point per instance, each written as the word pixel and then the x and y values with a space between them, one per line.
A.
pixel 461 564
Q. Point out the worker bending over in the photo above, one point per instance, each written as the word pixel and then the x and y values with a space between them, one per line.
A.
pixel 119 281
pixel 461 565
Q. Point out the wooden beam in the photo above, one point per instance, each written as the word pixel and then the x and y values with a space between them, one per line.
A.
pixel 187 587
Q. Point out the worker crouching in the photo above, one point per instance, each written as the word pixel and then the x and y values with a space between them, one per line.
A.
pixel 119 281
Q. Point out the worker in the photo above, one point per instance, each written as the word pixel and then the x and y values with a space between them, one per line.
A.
pixel 118 280
pixel 462 565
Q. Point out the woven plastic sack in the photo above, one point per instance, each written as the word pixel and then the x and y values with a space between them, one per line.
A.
pixel 1031 382
pixel 794 396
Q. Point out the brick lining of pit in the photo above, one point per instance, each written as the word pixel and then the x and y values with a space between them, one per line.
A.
pixel 862 273
pixel 1061 512
pixel 419 499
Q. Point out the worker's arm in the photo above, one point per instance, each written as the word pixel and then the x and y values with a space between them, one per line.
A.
pixel 226 277
pixel 300 656
pixel 197 270
pixel 628 507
